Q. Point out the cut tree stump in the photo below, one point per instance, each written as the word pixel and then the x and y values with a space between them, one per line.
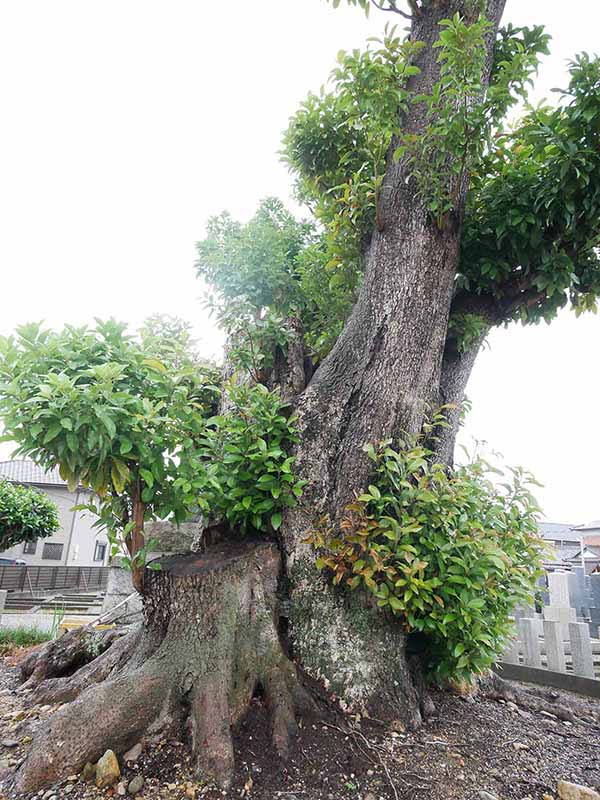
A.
pixel 209 641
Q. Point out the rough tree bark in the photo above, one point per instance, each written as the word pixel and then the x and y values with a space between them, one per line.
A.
pixel 382 376
pixel 210 631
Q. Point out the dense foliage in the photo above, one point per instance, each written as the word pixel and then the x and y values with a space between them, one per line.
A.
pixel 449 554
pixel 250 478
pixel 135 422
pixel 111 416
pixel 25 515
pixel 531 225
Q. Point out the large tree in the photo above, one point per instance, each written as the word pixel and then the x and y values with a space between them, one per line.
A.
pixel 433 224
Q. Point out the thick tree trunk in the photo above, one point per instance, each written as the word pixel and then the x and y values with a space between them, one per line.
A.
pixel 382 376
pixel 384 372
pixel 209 641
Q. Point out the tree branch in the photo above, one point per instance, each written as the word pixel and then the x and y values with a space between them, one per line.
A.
pixel 393 8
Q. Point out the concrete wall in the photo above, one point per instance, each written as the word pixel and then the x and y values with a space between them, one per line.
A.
pixel 75 534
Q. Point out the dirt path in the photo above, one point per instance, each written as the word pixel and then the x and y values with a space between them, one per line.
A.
pixel 466 750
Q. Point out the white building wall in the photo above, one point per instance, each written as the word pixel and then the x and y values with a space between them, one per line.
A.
pixel 76 534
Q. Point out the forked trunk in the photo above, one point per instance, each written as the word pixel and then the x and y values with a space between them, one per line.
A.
pixel 383 376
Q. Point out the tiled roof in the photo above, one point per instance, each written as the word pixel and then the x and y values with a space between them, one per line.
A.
pixel 558 530
pixel 568 553
pixel 594 525
pixel 26 471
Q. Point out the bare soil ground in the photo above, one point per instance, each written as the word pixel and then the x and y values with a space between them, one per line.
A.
pixel 467 749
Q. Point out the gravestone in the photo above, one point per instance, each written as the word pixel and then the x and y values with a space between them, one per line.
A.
pixel 528 630
pixel 558 588
pixel 511 653
pixel 523 611
pixel 581 649
pixel 579 592
pixel 594 584
pixel 168 538
pixel 594 623
pixel 118 589
pixel 553 643
pixel 562 615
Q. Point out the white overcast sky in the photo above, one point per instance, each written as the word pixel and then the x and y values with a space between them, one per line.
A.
pixel 127 123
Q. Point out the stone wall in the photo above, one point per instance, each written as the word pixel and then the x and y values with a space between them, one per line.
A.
pixel 171 538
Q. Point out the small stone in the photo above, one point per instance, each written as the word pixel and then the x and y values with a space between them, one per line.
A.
pixel 89 772
pixel 72 778
pixel 121 789
pixel 483 795
pixel 547 796
pixel 369 796
pixel 574 791
pixel 107 770
pixel 68 788
pixel 26 740
pixel 134 753
pixel 397 726
pixel 9 743
pixel 512 706
pixel 520 746
pixel 136 784
pixel 190 792
pixel 171 786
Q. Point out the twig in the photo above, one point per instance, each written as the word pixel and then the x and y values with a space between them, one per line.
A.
pixel 393 8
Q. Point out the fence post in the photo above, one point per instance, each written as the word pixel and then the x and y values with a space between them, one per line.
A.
pixel 581 649
pixel 555 649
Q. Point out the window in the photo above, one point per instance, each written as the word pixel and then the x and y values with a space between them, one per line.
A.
pixel 29 548
pixel 100 551
pixel 52 551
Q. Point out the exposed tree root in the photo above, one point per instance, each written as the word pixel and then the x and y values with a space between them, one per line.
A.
pixel 540 699
pixel 66 654
pixel 208 643
pixel 65 689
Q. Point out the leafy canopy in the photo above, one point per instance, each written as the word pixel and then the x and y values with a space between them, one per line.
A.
pixel 25 515
pixel 531 228
pixel 141 431
pixel 109 414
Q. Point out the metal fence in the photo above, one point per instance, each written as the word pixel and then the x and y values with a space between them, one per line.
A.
pixel 25 578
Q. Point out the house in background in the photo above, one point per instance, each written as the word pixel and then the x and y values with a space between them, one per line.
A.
pixel 572 545
pixel 76 543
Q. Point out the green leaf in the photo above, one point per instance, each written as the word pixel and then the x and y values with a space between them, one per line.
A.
pixel 276 521
pixel 148 477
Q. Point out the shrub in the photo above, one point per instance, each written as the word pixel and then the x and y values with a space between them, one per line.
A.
pixel 25 515
pixel 450 553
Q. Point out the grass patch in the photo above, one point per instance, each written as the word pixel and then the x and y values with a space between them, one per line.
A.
pixel 12 638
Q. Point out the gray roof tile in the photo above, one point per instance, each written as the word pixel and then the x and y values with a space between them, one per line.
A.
pixel 26 471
